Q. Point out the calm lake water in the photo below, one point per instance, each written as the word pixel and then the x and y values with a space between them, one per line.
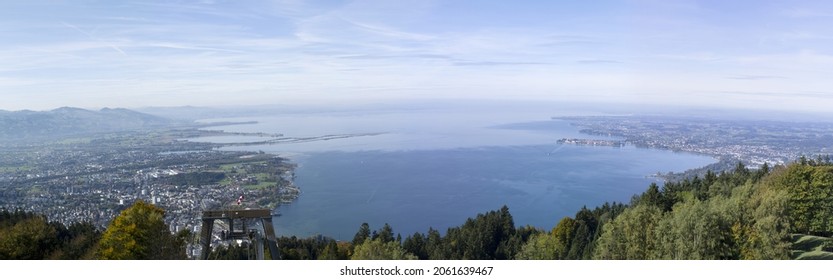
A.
pixel 436 168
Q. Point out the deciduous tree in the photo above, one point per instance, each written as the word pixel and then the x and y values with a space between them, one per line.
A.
pixel 139 232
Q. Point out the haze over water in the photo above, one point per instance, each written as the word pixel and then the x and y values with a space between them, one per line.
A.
pixel 436 168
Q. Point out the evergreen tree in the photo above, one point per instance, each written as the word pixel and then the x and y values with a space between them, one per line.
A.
pixel 651 196
pixel 563 234
pixel 31 238
pixel 810 192
pixel 362 234
pixel 331 252
pixel 584 235
pixel 435 246
pixel 385 234
pixel 378 250
pixel 416 244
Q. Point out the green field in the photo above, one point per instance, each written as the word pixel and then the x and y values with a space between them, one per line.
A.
pixel 263 183
pixel 74 141
pixel 10 169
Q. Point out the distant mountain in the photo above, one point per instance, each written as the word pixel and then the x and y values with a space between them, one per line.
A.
pixel 68 121
pixel 190 113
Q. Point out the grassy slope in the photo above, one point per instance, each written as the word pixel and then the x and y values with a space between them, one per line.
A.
pixel 809 247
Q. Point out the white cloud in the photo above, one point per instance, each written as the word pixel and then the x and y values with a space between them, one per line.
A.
pixel 219 52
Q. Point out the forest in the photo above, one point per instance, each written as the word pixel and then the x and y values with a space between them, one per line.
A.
pixel 781 212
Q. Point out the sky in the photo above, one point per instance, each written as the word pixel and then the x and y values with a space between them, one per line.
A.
pixel 736 54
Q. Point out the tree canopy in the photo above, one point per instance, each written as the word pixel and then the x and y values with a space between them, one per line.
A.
pixel 28 236
pixel 139 233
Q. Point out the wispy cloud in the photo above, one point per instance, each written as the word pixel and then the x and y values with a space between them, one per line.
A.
pixel 371 56
pixel 755 77
pixel 699 56
pixel 498 63
pixel 209 8
pixel 598 61
pixel 823 95
pixel 187 47
pixel 91 37
pixel 389 32
pixel 213 51
pixel 570 40
pixel 808 13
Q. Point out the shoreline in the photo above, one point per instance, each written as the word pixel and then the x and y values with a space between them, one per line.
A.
pixel 292 210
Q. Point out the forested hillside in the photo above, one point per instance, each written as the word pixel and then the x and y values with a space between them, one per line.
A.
pixel 784 212
pixel 27 236
pixel 139 232
pixel 742 214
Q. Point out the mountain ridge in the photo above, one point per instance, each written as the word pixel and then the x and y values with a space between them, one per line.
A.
pixel 72 121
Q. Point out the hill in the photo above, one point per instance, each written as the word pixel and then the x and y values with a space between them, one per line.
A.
pixel 68 121
pixel 810 247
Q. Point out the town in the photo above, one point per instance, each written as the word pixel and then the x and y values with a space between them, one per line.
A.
pixel 93 178
pixel 751 142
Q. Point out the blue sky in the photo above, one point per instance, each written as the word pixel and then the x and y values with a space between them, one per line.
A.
pixel 749 54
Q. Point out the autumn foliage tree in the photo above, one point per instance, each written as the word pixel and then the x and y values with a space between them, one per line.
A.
pixel 140 233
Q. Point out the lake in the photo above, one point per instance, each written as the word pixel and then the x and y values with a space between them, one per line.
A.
pixel 436 168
